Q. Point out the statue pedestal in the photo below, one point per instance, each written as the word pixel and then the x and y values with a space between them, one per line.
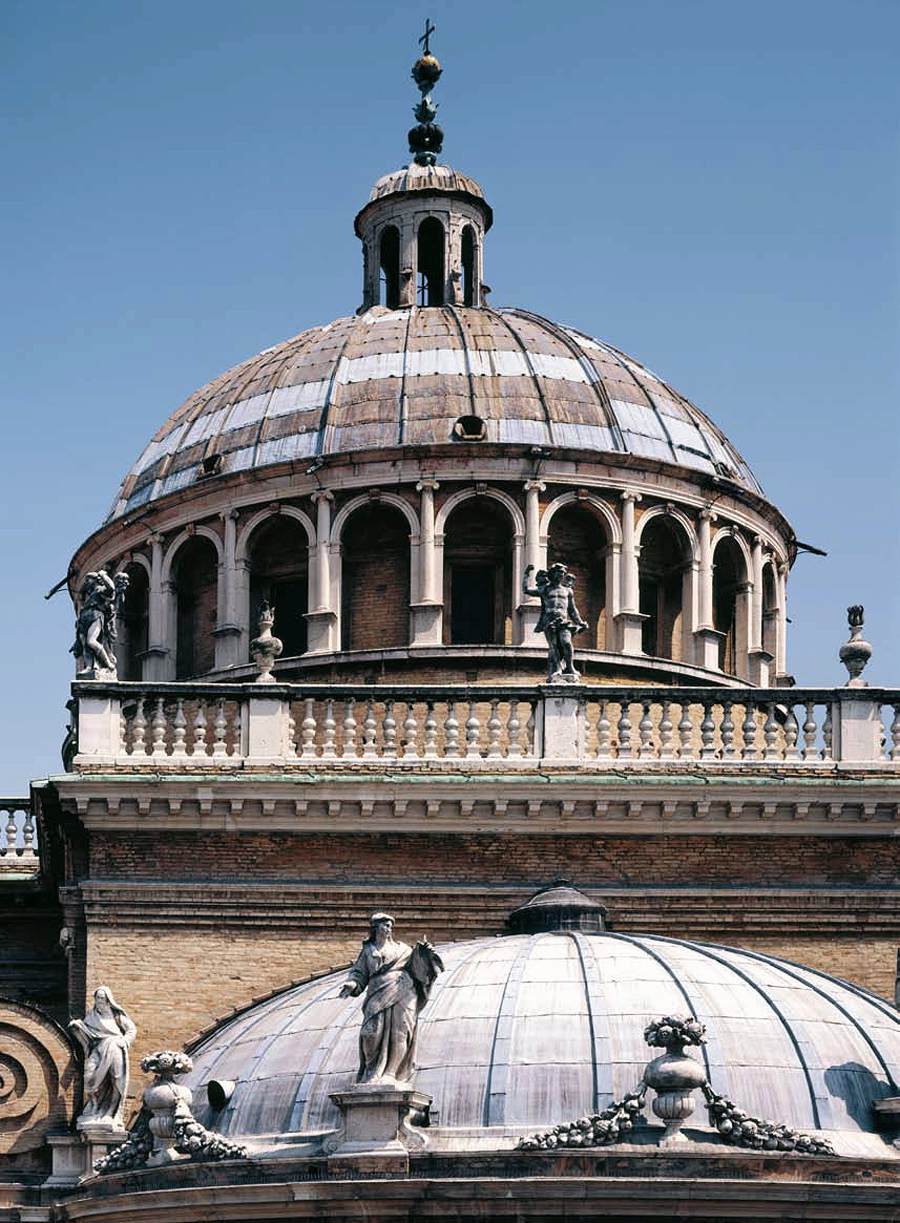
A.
pixel 73 1155
pixel 376 1125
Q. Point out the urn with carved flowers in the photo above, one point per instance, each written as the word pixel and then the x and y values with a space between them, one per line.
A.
pixel 674 1075
pixel 164 1099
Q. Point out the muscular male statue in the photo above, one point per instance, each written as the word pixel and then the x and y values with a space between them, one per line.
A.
pixel 559 620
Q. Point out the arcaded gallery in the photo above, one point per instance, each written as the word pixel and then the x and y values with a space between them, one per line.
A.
pixel 440 832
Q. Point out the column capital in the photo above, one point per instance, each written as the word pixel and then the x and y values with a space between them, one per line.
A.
pixel 227 516
pixel 155 539
pixel 630 496
pixel 428 484
pixel 759 542
pixel 321 494
pixel 709 515
pixel 534 486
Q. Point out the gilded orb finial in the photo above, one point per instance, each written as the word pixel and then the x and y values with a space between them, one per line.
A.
pixel 426 139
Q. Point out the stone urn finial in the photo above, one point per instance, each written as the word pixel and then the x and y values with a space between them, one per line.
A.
pixel 265 648
pixel 674 1075
pixel 856 652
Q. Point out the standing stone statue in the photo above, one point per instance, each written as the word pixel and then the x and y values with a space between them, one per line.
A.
pixel 95 625
pixel 559 620
pixel 397 980
pixel 105 1035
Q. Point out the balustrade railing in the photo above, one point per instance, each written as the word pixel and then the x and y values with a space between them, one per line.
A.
pixel 185 725
pixel 18 836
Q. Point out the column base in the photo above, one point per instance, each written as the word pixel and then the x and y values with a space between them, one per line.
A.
pixel 427 623
pixel 706 647
pixel 759 664
pixel 631 631
pixel 529 613
pixel 321 631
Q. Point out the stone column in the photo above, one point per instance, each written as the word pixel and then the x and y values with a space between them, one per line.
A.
pixel 321 617
pixel 782 676
pixel 427 612
pixel 158 660
pixel 706 637
pixel 629 619
pixel 228 629
pixel 529 607
pixel 759 661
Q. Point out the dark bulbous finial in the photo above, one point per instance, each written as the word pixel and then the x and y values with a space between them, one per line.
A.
pixel 426 139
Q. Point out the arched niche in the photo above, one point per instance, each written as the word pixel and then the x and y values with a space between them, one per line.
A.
pixel 478 574
pixel 375 579
pixel 578 540
pixel 469 261
pixel 195 581
pixel 729 609
pixel 389 266
pixel 663 569
pixel 430 262
pixel 279 575
pixel 134 622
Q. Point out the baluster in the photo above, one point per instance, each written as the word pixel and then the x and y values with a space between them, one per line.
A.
pixel 645 733
pixel 686 733
pixel 530 739
pixel 308 729
pixel 12 832
pixel 623 730
pixel 707 733
pixel 123 731
pixel 750 750
pixel 179 732
pixel 809 733
pixel 158 729
pixel 389 730
pixel 329 730
pixel 604 734
pixel 237 732
pixel 791 733
pixel 198 741
pixel 370 726
pixel 473 729
pixel 666 729
pixel 895 734
pixel 727 731
pixel 827 735
pixel 494 728
pixel 28 832
pixel 513 727
pixel 348 745
pixel 451 731
pixel 430 744
pixel 773 750
pixel 410 730
pixel 220 725
pixel 291 732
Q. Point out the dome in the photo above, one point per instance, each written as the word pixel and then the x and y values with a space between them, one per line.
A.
pixel 404 377
pixel 425 178
pixel 526 1031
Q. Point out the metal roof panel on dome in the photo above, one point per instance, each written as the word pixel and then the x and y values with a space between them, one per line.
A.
pixel 545 384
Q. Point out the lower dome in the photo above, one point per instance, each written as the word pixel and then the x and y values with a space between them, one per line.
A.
pixel 526 1031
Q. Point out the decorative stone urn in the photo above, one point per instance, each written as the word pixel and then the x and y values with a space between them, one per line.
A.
pixel 674 1075
pixel 265 648
pixel 856 652
pixel 165 1099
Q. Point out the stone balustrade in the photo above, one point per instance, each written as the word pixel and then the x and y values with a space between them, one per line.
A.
pixel 172 726
pixel 18 837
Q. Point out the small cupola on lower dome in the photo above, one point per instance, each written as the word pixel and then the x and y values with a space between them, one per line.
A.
pixel 423 227
pixel 558 906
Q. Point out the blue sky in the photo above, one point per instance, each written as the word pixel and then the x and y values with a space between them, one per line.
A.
pixel 711 186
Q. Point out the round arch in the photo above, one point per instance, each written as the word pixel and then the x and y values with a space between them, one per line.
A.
pixel 242 546
pixel 178 542
pixel 605 511
pixel 677 515
pixel 464 494
pixel 735 534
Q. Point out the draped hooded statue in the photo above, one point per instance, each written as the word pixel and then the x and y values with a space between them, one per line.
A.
pixel 104 1034
pixel 397 980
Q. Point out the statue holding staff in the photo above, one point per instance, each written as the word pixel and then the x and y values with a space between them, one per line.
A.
pixel 397 980
pixel 559 620
pixel 105 1035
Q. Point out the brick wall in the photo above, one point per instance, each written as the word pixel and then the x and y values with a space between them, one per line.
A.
pixel 375 579
pixel 577 540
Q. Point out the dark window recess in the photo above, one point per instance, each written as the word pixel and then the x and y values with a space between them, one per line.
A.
pixel 288 596
pixel 431 263
pixel 468 266
pixel 210 466
pixel 389 260
pixel 470 429
pixel 473 613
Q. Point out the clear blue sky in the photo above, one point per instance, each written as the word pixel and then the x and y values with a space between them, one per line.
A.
pixel 710 185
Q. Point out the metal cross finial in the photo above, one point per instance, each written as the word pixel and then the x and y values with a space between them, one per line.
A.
pixel 429 30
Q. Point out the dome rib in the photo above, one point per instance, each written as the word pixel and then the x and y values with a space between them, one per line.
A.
pixel 331 396
pixel 529 365
pixel 404 404
pixel 467 356
pixel 506 1011
pixel 795 976
pixel 592 984
pixel 330 1037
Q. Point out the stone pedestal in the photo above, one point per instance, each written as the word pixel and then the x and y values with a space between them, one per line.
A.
pixel 562 730
pixel 857 731
pixel 267 731
pixel 631 631
pixel 320 631
pixel 427 623
pixel 706 645
pixel 759 664
pixel 73 1155
pixel 887 1118
pixel 376 1126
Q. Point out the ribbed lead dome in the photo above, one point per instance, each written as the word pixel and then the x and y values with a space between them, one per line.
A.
pixel 391 378
pixel 525 1031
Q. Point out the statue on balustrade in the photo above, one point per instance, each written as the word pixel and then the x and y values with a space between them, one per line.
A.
pixel 95 626
pixel 559 620
pixel 105 1035
pixel 397 980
